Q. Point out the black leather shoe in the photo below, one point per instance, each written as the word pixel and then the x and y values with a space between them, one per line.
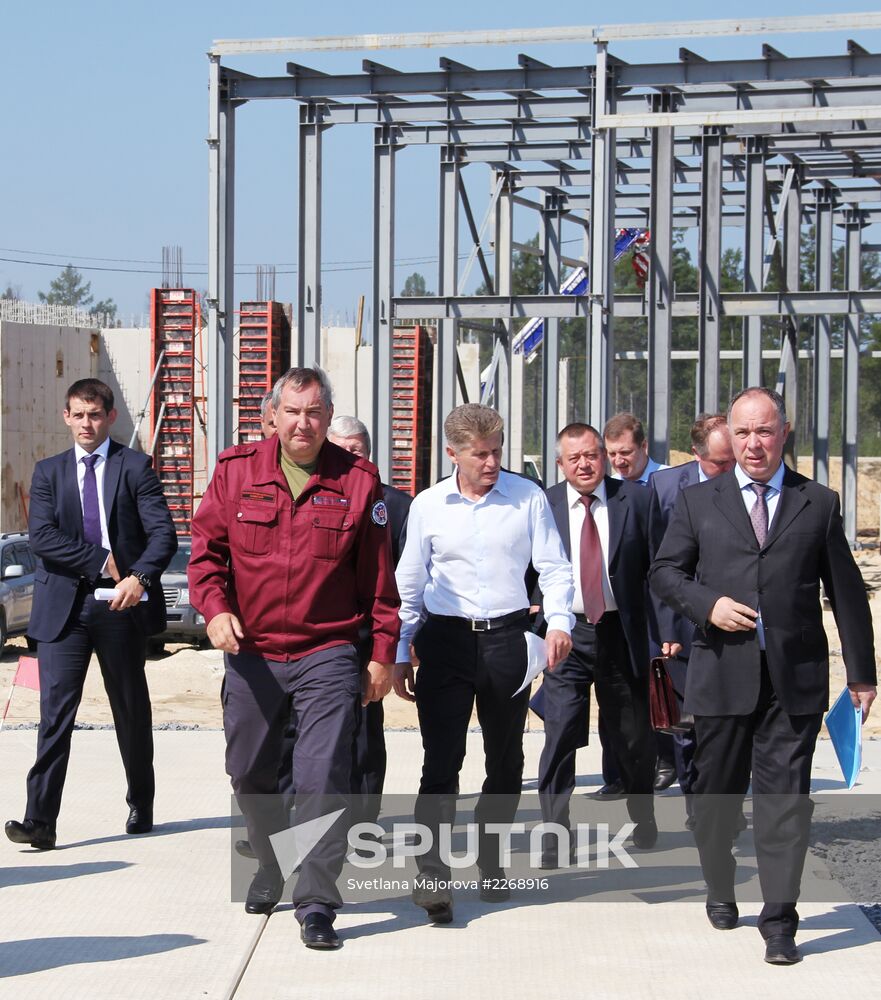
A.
pixel 265 891
pixel 33 832
pixel 608 793
pixel 243 848
pixel 139 820
pixel 723 916
pixel 781 950
pixel 550 857
pixel 645 836
pixel 494 887
pixel 436 901
pixel 665 775
pixel 317 931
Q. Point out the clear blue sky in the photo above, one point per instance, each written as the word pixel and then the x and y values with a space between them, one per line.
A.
pixel 104 126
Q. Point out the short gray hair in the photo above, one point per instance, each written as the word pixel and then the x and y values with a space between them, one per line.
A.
pixel 760 390
pixel 348 427
pixel 264 403
pixel 301 378
pixel 469 421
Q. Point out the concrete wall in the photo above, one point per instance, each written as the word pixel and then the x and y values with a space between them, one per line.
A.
pixel 38 364
pixel 124 364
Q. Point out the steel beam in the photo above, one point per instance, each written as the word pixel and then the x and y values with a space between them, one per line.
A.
pixel 787 378
pixel 309 256
pixel 512 454
pixel 660 319
pixel 822 339
pixel 447 280
pixel 383 309
pixel 551 236
pixel 753 258
pixel 724 28
pixel 221 263
pixel 710 272
pixel 598 374
pixel 850 406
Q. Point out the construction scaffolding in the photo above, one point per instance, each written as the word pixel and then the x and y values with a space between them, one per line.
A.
pixel 752 150
pixel 264 354
pixel 174 321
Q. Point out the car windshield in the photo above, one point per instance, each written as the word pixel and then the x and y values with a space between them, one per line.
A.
pixel 180 559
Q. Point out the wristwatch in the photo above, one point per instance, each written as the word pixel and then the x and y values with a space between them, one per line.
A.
pixel 142 579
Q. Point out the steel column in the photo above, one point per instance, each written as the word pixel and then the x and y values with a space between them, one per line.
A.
pixel 221 260
pixel 850 406
pixel 788 377
pixel 512 453
pixel 660 319
pixel 753 258
pixel 552 218
pixel 600 351
pixel 309 259
pixel 822 339
pixel 710 271
pixel 383 293
pixel 447 280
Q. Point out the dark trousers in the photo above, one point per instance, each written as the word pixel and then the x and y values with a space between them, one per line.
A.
pixel 120 645
pixel 319 695
pixel 599 656
pixel 777 749
pixel 457 667
pixel 369 761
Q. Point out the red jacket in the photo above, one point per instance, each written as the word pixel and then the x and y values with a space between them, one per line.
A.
pixel 299 575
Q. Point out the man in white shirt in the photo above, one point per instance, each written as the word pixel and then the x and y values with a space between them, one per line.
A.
pixel 465 608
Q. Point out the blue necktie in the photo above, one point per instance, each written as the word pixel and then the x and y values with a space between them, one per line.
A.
pixel 91 512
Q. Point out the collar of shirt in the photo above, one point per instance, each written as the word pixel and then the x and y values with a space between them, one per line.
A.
pixel 454 495
pixel 573 497
pixel 102 450
pixel 775 482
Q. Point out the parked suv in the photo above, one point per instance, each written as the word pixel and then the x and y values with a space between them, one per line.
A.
pixel 17 565
pixel 185 624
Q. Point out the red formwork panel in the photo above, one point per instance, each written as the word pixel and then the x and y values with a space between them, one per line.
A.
pixel 175 317
pixel 411 408
pixel 264 355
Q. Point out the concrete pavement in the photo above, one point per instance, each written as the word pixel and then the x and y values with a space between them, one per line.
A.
pixel 107 915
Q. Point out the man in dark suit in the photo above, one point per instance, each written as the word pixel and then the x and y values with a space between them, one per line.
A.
pixel 743 558
pixel 370 757
pixel 711 446
pixel 604 526
pixel 98 519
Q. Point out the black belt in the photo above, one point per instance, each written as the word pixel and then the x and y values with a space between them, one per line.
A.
pixel 482 624
pixel 607 616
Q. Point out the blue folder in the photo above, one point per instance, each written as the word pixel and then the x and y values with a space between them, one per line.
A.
pixel 844 723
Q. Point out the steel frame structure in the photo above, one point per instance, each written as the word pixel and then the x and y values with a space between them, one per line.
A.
pixel 765 145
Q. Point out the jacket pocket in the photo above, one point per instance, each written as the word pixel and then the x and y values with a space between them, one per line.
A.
pixel 332 532
pixel 255 524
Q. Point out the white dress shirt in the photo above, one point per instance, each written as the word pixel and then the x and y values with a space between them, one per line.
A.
pixel 467 558
pixel 80 454
pixel 600 512
pixel 771 499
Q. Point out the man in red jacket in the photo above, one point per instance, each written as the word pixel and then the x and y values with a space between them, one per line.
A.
pixel 290 558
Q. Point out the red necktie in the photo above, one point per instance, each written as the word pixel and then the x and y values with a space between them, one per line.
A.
pixel 591 565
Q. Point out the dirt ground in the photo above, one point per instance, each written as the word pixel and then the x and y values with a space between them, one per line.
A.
pixel 185 682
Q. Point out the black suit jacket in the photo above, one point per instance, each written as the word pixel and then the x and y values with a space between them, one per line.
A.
pixel 397 503
pixel 710 551
pixel 628 557
pixel 664 486
pixel 139 525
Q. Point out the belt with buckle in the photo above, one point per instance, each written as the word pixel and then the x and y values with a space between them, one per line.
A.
pixel 483 624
